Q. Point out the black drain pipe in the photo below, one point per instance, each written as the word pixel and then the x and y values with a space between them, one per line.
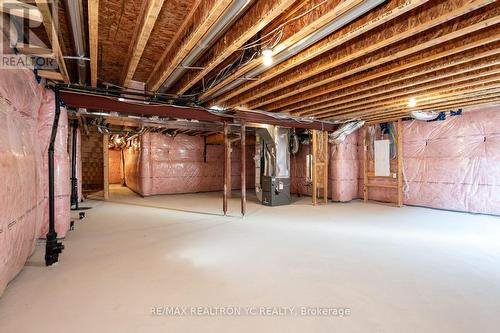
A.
pixel 53 248
pixel 74 180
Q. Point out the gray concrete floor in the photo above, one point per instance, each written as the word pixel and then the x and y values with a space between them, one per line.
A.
pixel 397 270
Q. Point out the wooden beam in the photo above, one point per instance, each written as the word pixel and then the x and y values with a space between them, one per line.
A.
pixel 308 77
pixel 171 60
pixel 243 170
pixel 50 75
pixel 331 11
pixel 486 75
pixel 147 19
pixel 365 82
pixel 392 86
pixel 437 107
pixel 429 101
pixel 262 13
pixel 53 36
pixel 382 16
pixel 93 14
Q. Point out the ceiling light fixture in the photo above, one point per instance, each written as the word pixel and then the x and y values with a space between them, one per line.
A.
pixel 412 102
pixel 267 57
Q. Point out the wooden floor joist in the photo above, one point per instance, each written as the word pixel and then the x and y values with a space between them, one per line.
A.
pixel 482 76
pixel 465 95
pixel 173 58
pixel 332 12
pixel 261 14
pixel 399 73
pixel 53 35
pixel 305 77
pixel 93 14
pixel 434 78
pixel 382 16
pixel 147 19
pixel 304 89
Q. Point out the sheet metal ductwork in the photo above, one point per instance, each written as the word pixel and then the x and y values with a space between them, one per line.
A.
pixel 272 162
pixel 75 17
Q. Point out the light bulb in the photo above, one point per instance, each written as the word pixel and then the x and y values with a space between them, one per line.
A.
pixel 412 102
pixel 267 52
pixel 268 61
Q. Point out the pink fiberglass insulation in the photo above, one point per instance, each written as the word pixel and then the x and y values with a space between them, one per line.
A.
pixel 165 165
pixel 20 164
pixel 344 169
pixel 451 164
pixel 298 172
pixel 115 166
pixel 62 167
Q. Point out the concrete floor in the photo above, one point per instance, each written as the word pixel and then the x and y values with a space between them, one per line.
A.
pixel 396 270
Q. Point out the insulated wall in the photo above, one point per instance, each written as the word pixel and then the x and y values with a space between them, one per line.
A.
pixel 452 164
pixel 20 166
pixel 115 166
pixel 182 164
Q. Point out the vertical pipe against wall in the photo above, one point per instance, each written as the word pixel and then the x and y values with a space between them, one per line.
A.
pixel 226 155
pixel 53 248
pixel 325 166
pixel 243 169
pixel 74 180
pixel 105 153
pixel 314 167
pixel 365 165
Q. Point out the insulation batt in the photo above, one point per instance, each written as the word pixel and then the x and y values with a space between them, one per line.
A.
pixel 452 164
pixel 61 162
pixel 166 165
pixel 20 163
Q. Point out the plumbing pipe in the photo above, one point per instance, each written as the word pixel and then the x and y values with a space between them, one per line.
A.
pixel 301 45
pixel 75 16
pixel 53 248
pixel 235 9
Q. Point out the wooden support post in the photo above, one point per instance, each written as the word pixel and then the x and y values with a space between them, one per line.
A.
pixel 105 154
pixel 400 162
pixel 229 169
pixel 314 167
pixel 243 165
pixel 325 166
pixel 365 165
pixel 226 155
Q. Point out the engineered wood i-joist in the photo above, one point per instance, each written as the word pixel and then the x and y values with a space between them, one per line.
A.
pixel 258 16
pixel 147 19
pixel 53 35
pixel 305 79
pixel 93 14
pixel 434 79
pixel 473 92
pixel 381 16
pixel 168 63
pixel 330 13
pixel 361 85
pixel 489 74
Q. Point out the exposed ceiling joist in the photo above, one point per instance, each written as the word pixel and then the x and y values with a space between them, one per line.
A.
pixel 397 71
pixel 53 36
pixel 309 78
pixel 489 74
pixel 380 16
pixel 262 13
pixel 332 10
pixel 148 16
pixel 93 14
pixel 430 101
pixel 50 75
pixel 440 108
pixel 202 20
pixel 21 10
pixel 409 81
